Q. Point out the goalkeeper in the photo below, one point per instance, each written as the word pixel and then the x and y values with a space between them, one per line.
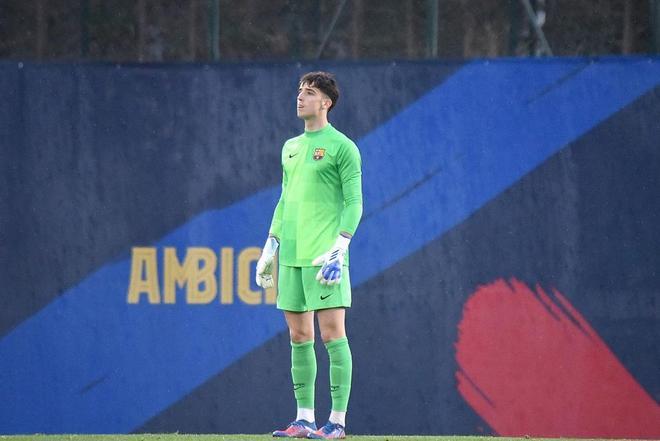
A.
pixel 314 221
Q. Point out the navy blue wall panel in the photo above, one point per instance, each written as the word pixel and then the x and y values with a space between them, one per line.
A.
pixel 541 173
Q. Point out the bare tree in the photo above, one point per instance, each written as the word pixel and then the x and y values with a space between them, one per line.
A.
pixel 192 31
pixel 356 28
pixel 42 28
pixel 626 40
pixel 141 28
pixel 410 30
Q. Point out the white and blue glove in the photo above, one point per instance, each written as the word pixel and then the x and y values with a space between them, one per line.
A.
pixel 265 263
pixel 332 262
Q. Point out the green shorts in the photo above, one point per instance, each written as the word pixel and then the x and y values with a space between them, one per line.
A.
pixel 299 291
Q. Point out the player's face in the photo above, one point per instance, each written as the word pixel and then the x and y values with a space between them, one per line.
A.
pixel 311 102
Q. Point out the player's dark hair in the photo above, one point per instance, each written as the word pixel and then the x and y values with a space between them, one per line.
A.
pixel 323 81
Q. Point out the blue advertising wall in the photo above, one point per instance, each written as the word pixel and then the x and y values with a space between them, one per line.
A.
pixel 135 198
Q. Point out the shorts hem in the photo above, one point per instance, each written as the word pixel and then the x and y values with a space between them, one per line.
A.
pixel 330 307
pixel 291 309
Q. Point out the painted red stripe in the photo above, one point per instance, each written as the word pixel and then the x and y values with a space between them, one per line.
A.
pixel 530 364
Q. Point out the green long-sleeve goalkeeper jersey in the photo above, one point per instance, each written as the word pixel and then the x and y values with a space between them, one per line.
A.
pixel 321 195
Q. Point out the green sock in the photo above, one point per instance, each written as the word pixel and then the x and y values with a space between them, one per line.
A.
pixel 303 373
pixel 341 370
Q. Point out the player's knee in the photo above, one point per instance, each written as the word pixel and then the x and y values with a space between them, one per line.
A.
pixel 301 335
pixel 332 333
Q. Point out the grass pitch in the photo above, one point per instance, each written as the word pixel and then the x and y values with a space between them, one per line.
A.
pixel 185 437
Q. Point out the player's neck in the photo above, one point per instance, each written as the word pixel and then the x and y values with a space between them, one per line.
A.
pixel 315 124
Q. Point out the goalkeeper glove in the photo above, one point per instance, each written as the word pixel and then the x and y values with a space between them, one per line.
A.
pixel 265 263
pixel 331 262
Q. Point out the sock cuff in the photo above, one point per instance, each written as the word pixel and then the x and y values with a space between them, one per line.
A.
pixel 336 342
pixel 303 344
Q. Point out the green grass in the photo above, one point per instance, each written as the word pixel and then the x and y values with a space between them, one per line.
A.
pixel 184 437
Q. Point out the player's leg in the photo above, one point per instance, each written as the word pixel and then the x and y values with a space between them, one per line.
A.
pixel 333 333
pixel 331 321
pixel 303 361
pixel 332 324
pixel 291 299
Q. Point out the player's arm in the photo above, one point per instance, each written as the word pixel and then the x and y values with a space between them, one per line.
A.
pixel 276 224
pixel 350 172
pixel 349 165
pixel 265 263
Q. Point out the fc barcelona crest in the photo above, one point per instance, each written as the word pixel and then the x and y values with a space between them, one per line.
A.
pixel 319 153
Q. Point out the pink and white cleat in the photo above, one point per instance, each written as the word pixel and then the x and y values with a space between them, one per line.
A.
pixel 329 431
pixel 296 429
